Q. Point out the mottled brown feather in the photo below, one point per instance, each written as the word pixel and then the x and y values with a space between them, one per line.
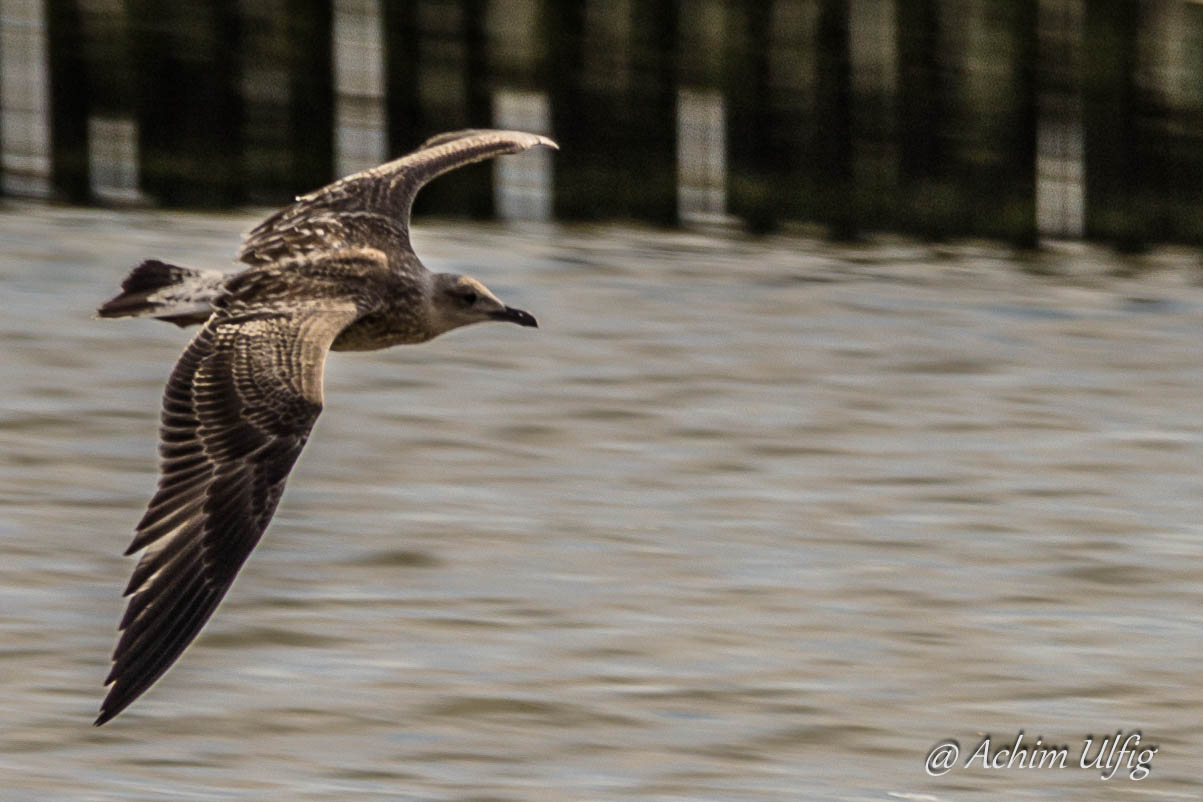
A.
pixel 333 270
pixel 372 208
pixel 245 394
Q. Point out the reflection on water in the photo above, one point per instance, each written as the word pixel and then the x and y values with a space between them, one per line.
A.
pixel 742 521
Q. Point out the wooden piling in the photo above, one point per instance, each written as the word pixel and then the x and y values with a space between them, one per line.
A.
pixel 69 101
pixel 928 203
pixel 437 79
pixel 754 161
pixel 832 132
pixel 1113 212
pixel 188 105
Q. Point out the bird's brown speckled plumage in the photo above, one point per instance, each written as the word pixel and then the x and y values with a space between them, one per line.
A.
pixel 332 271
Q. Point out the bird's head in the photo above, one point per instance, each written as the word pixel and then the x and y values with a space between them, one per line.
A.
pixel 460 300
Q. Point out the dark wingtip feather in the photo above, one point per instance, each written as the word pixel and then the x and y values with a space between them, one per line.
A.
pixel 113 703
pixel 117 700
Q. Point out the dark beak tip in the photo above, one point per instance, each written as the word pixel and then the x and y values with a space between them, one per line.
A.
pixel 521 317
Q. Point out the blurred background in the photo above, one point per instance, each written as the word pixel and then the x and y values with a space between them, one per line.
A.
pixel 1011 119
pixel 814 460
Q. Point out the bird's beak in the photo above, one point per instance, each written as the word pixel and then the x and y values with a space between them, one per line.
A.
pixel 516 316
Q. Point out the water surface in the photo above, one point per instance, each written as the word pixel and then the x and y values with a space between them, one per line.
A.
pixel 743 520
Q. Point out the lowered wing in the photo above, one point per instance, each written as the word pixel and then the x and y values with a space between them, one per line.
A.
pixel 236 413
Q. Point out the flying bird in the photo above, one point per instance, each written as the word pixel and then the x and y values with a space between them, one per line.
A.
pixel 332 271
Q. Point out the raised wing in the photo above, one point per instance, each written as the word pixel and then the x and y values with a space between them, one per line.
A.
pixel 236 413
pixel 372 208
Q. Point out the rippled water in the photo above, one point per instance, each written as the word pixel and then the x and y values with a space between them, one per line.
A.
pixel 743 520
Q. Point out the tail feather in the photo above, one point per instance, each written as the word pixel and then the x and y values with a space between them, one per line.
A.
pixel 156 289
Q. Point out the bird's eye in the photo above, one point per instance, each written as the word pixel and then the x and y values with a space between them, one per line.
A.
pixel 468 297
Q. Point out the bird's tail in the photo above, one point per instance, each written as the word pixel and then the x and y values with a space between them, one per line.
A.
pixel 176 294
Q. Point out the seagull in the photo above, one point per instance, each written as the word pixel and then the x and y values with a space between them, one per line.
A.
pixel 332 271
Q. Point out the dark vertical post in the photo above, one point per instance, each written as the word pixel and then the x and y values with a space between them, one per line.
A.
pixel 188 106
pixel 1188 175
pixel 477 63
pixel 69 101
pixel 832 149
pixel 1110 114
pixel 562 33
pixel 1022 144
pixel 752 158
pixel 1169 141
pixel 402 63
pixel 874 116
pixel 1001 180
pixel 436 80
pixel 155 104
pixel 653 104
pixel 477 188
pixel 923 148
pixel 311 92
